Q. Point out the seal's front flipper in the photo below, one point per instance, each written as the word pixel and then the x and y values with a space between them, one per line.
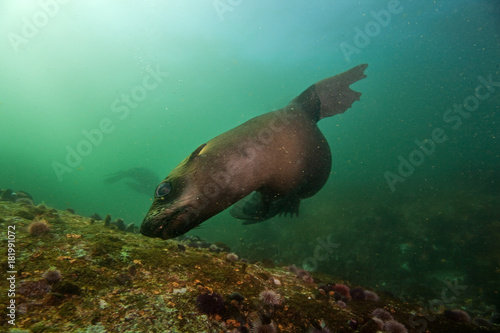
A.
pixel 288 205
pixel 253 208
pixel 258 207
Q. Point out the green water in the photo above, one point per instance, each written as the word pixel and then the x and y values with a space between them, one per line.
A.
pixel 192 70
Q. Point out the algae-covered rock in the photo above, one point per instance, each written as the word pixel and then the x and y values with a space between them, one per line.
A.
pixel 115 281
pixel 25 214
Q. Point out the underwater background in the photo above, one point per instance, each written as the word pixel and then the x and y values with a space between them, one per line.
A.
pixel 88 89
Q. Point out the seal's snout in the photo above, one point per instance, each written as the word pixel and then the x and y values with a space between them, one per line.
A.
pixel 155 229
pixel 166 223
pixel 147 228
pixel 153 224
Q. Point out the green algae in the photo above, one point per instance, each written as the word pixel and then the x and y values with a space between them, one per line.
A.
pixel 68 309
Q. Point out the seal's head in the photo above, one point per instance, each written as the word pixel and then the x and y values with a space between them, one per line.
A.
pixel 169 215
pixel 176 207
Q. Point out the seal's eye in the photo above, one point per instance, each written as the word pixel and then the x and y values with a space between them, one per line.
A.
pixel 162 190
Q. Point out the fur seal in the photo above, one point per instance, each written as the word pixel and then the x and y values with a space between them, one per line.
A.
pixel 138 179
pixel 264 166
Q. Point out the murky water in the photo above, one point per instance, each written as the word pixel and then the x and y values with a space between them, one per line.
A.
pixel 90 89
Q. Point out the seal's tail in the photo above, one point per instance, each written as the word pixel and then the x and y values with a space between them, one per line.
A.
pixel 331 96
pixel 114 177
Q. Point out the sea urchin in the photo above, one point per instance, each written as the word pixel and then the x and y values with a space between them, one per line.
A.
pixel 52 275
pixel 270 297
pixel 38 228
pixel 210 303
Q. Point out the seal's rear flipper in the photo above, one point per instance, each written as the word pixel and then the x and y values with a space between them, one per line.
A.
pixel 331 96
pixel 113 177
pixel 258 207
